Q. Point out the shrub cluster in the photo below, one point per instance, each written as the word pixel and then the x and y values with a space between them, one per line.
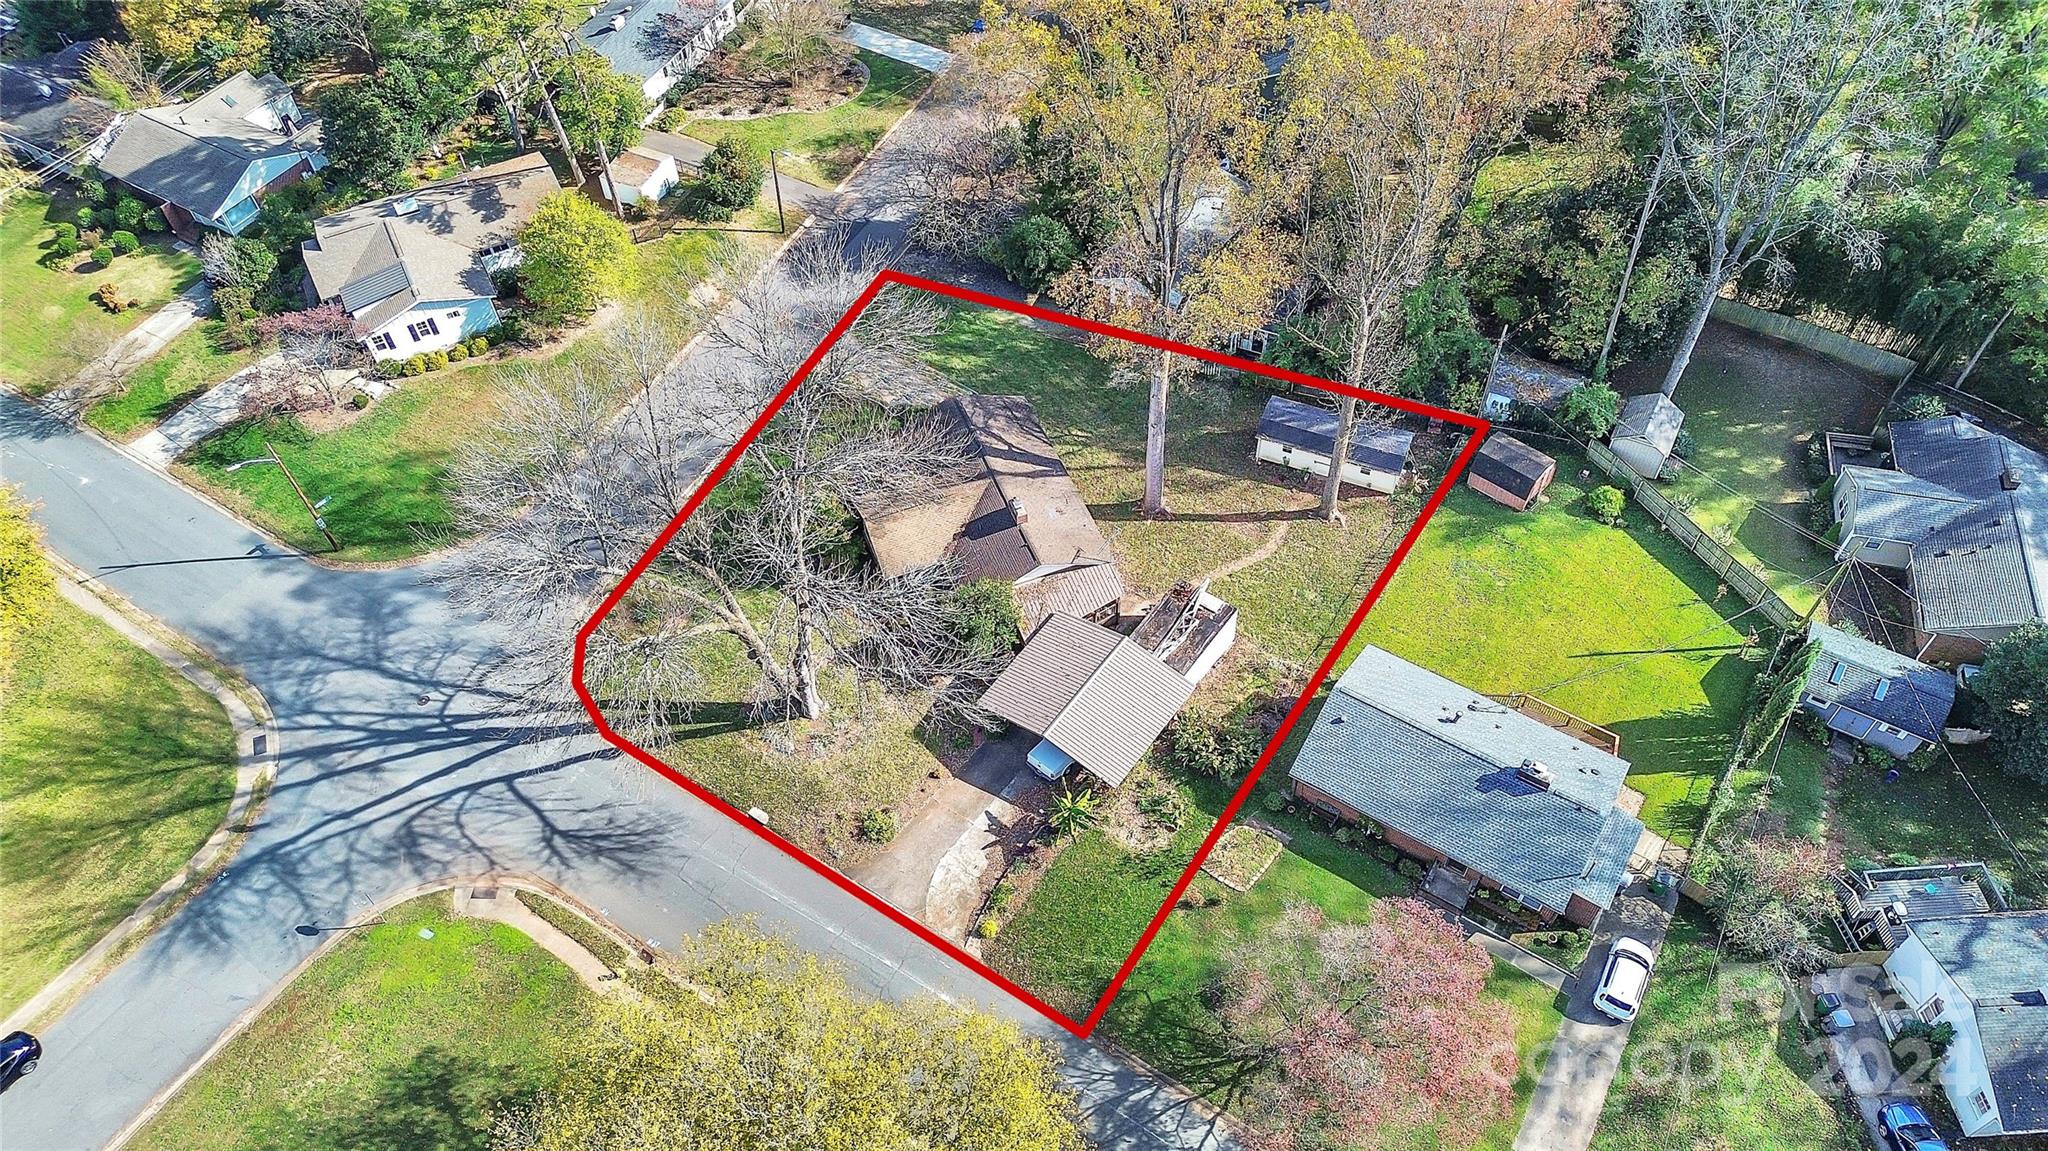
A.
pixel 875 825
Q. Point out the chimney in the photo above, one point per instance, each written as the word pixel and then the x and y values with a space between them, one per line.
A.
pixel 1535 773
pixel 2009 479
pixel 1018 513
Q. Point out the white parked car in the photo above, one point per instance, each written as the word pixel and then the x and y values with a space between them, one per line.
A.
pixel 1620 994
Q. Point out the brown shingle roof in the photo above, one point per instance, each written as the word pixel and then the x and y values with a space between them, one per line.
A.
pixel 1026 512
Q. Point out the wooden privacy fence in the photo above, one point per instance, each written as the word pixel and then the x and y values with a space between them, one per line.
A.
pixel 1815 338
pixel 1745 583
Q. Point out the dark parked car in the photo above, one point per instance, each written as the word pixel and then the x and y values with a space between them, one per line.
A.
pixel 1831 1014
pixel 18 1055
pixel 1909 1129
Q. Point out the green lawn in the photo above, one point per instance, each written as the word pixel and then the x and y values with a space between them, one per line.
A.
pixel 384 475
pixel 1066 932
pixel 52 325
pixel 1751 404
pixel 389 1041
pixel 1225 504
pixel 824 147
pixel 113 770
pixel 1930 815
pixel 187 366
pixel 1712 1062
pixel 1505 601
pixel 1539 167
pixel 932 22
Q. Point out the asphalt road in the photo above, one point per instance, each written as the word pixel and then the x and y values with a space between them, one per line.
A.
pixel 397 768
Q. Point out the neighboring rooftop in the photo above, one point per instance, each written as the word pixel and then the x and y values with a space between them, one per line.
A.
pixel 1313 428
pixel 2001 962
pixel 1511 465
pixel 195 154
pixel 1013 512
pixel 1530 382
pixel 1652 418
pixel 382 257
pixel 1090 692
pixel 639 36
pixel 44 104
pixel 1974 507
pixel 1442 764
pixel 1874 680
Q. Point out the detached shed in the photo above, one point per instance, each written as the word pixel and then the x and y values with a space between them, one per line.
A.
pixel 1508 471
pixel 1527 382
pixel 641 175
pixel 1302 436
pixel 1646 433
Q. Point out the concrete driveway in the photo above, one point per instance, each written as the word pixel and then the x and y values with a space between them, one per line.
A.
pixel 931 866
pixel 1572 1091
pixel 1863 1060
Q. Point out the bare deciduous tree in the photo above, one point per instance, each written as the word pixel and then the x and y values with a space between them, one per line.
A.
pixel 1781 115
pixel 1158 94
pixel 566 494
pixel 1388 151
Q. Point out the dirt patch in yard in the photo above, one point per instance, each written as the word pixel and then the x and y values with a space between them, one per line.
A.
pixel 735 88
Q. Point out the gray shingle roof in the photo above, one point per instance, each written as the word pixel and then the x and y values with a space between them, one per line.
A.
pixel 1091 692
pixel 1652 418
pixel 1917 697
pixel 1313 428
pixel 1974 507
pixel 1996 959
pixel 379 260
pixel 1438 763
pixel 653 31
pixel 194 154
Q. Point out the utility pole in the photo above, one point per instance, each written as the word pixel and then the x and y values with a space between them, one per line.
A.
pixel 604 154
pixel 775 178
pixel 312 509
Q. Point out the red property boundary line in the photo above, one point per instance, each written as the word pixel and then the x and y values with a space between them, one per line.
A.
pixel 1479 426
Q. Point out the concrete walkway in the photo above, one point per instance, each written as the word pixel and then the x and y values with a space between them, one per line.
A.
pixel 897 47
pixel 1572 1091
pixel 218 407
pixel 502 905
pixel 1534 966
pixel 136 348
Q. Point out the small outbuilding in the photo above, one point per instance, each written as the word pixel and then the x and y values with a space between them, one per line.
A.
pixel 641 175
pixel 1508 471
pixel 1646 433
pixel 1302 436
pixel 1518 381
pixel 1874 695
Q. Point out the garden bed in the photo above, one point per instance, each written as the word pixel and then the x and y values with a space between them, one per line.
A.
pixel 1243 855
